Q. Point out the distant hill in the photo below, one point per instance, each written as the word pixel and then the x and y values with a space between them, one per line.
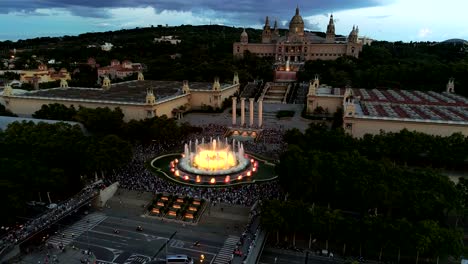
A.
pixel 455 41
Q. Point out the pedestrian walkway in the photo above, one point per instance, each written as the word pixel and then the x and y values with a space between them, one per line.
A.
pixel 72 232
pixel 226 252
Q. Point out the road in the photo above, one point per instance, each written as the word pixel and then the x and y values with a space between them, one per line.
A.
pixel 132 246
pixel 292 257
pixel 216 230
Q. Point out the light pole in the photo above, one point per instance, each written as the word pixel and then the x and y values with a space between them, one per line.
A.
pixel 87 234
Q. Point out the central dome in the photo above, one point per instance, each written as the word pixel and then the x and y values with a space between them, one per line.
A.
pixel 296 26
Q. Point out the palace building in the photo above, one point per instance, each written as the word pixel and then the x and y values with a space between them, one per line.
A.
pixel 41 75
pixel 370 111
pixel 299 45
pixel 138 99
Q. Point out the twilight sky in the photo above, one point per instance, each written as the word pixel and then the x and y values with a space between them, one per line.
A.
pixel 393 20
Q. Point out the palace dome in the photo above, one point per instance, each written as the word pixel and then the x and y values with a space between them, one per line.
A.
pixel 244 34
pixel 296 26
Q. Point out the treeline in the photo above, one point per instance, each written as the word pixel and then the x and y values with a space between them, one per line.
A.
pixel 55 158
pixel 58 158
pixel 104 121
pixel 358 197
pixel 371 236
pixel 206 51
pixel 409 148
pixel 410 66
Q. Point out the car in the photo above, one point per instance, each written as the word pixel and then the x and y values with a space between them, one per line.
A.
pixel 324 252
pixel 52 206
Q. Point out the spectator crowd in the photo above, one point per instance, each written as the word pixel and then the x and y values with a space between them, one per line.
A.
pixel 135 176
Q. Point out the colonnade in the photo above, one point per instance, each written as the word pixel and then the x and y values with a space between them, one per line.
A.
pixel 251 112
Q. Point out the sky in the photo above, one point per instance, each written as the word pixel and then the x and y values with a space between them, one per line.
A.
pixel 392 20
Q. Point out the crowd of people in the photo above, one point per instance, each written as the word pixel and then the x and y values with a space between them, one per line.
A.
pixel 248 238
pixel 17 234
pixel 135 175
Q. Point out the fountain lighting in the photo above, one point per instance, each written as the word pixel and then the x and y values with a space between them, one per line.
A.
pixel 176 173
pixel 212 181
pixel 186 177
pixel 214 158
pixel 227 179
pixel 249 173
pixel 239 177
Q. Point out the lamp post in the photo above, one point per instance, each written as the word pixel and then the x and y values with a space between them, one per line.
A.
pixel 87 234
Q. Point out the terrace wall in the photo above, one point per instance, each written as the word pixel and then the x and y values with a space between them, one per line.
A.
pixel 199 98
pixel 26 106
pixel 332 103
pixel 362 126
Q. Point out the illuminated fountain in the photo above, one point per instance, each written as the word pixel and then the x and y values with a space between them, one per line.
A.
pixel 214 162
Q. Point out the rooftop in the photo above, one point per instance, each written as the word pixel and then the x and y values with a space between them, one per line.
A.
pixel 127 92
pixel 410 104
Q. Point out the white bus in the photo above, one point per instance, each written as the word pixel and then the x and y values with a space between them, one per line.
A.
pixel 178 259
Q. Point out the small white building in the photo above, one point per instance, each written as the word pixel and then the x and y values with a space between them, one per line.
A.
pixel 107 46
pixel 171 39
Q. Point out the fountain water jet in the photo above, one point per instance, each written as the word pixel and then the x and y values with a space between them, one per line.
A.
pixel 216 157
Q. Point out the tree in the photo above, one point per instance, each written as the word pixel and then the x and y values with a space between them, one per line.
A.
pixel 56 112
pixel 271 217
pixel 101 121
pixel 5 112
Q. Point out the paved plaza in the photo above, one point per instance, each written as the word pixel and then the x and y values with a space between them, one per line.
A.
pixel 269 117
pixel 217 233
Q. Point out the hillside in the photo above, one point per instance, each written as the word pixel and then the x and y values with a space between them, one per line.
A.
pixel 206 51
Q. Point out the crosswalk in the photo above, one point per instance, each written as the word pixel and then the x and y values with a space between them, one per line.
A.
pixel 78 228
pixel 225 254
pixel 137 259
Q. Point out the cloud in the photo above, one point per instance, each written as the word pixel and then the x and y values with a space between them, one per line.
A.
pixel 378 17
pixel 424 32
pixel 310 25
pixel 240 11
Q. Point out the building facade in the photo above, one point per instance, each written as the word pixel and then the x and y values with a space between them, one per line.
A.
pixel 138 99
pixel 298 45
pixel 43 74
pixel 370 111
pixel 120 70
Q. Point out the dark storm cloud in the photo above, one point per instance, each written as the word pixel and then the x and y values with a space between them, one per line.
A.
pixel 240 11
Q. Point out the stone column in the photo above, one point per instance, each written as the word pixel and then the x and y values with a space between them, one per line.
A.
pixel 260 113
pixel 234 108
pixel 251 109
pixel 242 111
